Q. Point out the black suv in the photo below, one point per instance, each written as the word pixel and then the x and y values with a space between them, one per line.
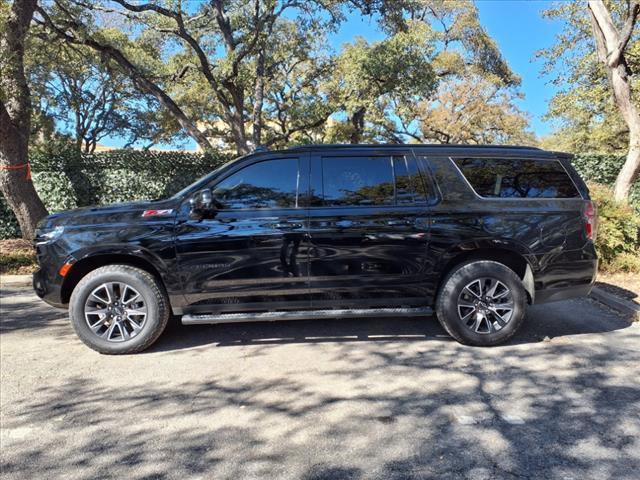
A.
pixel 474 233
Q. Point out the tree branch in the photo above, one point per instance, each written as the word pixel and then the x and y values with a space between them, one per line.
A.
pixel 613 41
pixel 132 71
pixel 627 30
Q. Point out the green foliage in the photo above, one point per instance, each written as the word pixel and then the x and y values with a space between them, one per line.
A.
pixel 262 73
pixel 11 262
pixel 9 227
pixel 618 235
pixel 87 98
pixel 603 169
pixel 70 179
pixel 587 118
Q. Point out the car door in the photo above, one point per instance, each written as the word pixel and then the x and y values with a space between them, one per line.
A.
pixel 255 248
pixel 368 227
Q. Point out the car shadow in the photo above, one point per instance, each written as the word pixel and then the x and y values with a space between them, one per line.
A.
pixel 543 322
pixel 619 291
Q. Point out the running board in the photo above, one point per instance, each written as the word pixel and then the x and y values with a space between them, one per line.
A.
pixel 304 315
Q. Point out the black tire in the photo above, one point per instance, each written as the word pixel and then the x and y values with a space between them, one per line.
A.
pixel 450 315
pixel 152 294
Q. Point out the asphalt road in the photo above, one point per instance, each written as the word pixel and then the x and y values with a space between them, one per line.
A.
pixel 350 399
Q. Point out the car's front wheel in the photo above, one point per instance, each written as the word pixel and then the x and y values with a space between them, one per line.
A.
pixel 481 303
pixel 119 309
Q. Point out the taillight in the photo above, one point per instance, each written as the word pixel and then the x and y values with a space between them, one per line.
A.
pixel 590 220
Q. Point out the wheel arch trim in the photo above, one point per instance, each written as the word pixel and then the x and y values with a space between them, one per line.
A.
pixel 86 261
pixel 511 254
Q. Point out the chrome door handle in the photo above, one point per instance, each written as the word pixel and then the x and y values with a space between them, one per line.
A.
pixel 287 226
pixel 396 223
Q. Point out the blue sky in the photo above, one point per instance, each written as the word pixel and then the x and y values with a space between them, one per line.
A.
pixel 518 28
pixel 520 31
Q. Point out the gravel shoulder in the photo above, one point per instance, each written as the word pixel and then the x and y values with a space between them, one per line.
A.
pixel 341 399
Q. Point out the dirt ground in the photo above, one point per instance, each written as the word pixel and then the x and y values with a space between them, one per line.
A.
pixel 17 257
pixel 625 285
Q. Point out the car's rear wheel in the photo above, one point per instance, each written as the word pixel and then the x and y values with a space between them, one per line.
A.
pixel 119 309
pixel 481 303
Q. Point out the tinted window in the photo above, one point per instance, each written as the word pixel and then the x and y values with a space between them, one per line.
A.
pixel 409 184
pixel 512 178
pixel 268 184
pixel 357 181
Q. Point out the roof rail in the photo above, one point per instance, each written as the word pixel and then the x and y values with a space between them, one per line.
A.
pixel 410 145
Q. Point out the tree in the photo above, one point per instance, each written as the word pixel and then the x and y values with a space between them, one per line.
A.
pixel 370 78
pixel 611 45
pixel 15 117
pixel 222 47
pixel 68 21
pixel 474 110
pixel 476 90
pixel 258 72
pixel 90 99
pixel 585 66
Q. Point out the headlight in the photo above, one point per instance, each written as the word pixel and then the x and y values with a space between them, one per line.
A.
pixel 50 236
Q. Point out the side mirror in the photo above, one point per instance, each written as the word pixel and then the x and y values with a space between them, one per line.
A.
pixel 202 203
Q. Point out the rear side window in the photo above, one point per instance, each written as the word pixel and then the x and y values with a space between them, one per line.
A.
pixel 357 181
pixel 268 184
pixel 368 181
pixel 517 178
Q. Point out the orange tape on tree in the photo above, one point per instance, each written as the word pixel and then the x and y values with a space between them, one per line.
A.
pixel 18 167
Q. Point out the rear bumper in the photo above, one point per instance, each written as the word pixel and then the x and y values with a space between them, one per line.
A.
pixel 565 280
pixel 557 294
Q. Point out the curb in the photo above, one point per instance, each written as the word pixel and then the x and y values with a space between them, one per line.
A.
pixel 15 280
pixel 622 305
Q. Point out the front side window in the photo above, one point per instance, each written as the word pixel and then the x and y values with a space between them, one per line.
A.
pixel 517 178
pixel 268 184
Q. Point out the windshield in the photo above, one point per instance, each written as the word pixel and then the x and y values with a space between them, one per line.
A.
pixel 202 181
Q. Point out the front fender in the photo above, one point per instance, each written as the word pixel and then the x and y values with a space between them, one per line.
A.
pixel 119 250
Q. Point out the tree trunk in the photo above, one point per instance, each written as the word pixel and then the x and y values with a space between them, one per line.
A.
pixel 258 101
pixel 357 122
pixel 15 121
pixel 238 132
pixel 610 47
pixel 629 172
pixel 622 96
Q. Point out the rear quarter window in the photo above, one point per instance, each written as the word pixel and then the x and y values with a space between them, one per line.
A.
pixel 517 178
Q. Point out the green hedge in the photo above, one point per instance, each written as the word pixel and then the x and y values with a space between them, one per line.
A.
pixel 70 179
pixel 603 169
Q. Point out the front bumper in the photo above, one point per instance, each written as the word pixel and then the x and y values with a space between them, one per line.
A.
pixel 47 290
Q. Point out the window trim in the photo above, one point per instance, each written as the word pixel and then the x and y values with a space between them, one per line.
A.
pixel 426 199
pixel 535 159
pixel 429 182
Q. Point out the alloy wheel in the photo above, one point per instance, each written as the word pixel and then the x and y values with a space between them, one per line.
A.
pixel 115 311
pixel 485 305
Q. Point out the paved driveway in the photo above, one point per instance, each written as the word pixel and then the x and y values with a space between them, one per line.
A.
pixel 356 399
